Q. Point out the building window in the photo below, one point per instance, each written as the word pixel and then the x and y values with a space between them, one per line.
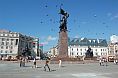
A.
pixel 72 49
pixel 2 47
pixel 96 53
pixel 6 47
pixel 10 51
pixel 11 43
pixel 72 53
pixel 2 43
pixel 1 51
pixel 80 49
pixel 101 49
pixel 5 51
pixel 77 53
pixel 85 49
pixel 77 49
pixel 7 43
pixel 95 49
pixel 12 39
pixel 3 39
pixel 81 53
pixel 16 41
pixel 7 39
pixel 11 47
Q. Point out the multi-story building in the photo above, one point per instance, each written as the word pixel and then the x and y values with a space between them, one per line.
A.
pixel 15 44
pixel 54 51
pixel 79 46
pixel 112 50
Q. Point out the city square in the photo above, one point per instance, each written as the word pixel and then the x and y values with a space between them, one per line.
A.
pixel 58 39
pixel 87 70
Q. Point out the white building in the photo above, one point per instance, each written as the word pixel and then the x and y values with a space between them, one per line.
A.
pixel 15 44
pixel 79 46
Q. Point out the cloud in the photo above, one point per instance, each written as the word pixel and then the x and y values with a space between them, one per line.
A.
pixel 114 39
pixel 114 17
pixel 76 36
pixel 44 43
pixel 109 14
pixel 50 38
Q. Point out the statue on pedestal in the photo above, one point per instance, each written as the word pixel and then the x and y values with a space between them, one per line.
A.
pixel 63 20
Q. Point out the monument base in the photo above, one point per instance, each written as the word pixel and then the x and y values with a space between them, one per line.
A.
pixel 66 58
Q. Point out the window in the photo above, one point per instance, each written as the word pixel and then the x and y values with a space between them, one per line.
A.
pixel 72 53
pixel 72 49
pixel 77 53
pixel 3 39
pixel 2 47
pixel 12 39
pixel 95 49
pixel 7 43
pixel 7 39
pixel 11 43
pixel 5 51
pixel 80 49
pixel 11 47
pixel 2 43
pixel 16 41
pixel 101 49
pixel 6 47
pixel 10 51
pixel 77 49
pixel 1 51
pixel 81 53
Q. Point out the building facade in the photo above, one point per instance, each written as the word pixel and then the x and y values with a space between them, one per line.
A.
pixel 79 46
pixel 15 44
pixel 113 50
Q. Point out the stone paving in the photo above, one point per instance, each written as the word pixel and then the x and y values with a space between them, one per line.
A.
pixel 91 70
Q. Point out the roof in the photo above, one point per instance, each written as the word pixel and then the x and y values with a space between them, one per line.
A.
pixel 88 42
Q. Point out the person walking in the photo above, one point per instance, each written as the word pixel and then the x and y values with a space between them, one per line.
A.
pixel 60 63
pixel 100 62
pixel 46 65
pixel 20 61
pixel 34 62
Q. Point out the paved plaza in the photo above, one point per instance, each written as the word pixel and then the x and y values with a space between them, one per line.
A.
pixel 91 70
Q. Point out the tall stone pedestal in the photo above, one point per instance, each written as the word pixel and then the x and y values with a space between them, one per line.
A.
pixel 63 44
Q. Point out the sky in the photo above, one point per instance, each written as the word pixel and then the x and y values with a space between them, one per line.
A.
pixel 40 18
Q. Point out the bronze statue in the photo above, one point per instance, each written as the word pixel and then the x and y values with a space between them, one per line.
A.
pixel 63 20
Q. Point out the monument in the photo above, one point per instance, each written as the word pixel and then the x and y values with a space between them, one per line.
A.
pixel 63 35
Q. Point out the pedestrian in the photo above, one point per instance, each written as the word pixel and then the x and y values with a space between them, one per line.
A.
pixel 60 63
pixel 100 61
pixel 21 62
pixel 106 61
pixel 116 61
pixel 34 62
pixel 46 65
